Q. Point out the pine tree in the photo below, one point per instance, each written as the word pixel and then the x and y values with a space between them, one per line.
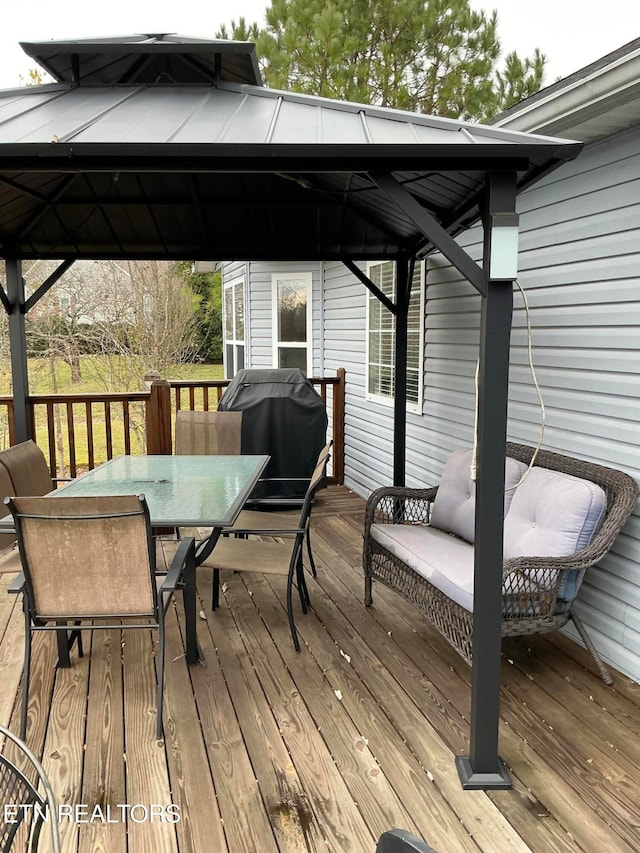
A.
pixel 433 56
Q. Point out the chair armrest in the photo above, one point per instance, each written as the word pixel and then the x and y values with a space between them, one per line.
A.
pixel 398 505
pixel 284 531
pixel 545 585
pixel 173 576
pixel 16 584
pixel 275 502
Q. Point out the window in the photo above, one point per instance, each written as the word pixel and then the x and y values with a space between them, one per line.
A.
pixel 233 327
pixel 292 321
pixel 381 334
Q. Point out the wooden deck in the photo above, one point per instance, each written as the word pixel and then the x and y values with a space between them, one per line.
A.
pixel 269 750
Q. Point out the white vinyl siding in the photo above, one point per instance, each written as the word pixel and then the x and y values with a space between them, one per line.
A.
pixel 578 263
pixel 260 319
pixel 368 424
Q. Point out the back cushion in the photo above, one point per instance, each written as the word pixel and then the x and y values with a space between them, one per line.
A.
pixel 454 508
pixel 552 515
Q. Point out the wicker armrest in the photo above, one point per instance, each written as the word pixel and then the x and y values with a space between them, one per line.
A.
pixel 399 505
pixel 545 578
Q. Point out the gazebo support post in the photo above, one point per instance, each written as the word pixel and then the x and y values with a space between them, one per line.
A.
pixel 22 413
pixel 483 768
pixel 403 293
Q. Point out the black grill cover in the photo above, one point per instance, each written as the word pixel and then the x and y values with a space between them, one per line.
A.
pixel 282 415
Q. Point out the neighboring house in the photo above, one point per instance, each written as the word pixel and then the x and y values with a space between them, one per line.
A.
pixel 579 265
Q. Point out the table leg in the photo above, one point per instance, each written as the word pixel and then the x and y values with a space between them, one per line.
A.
pixel 62 638
pixel 192 647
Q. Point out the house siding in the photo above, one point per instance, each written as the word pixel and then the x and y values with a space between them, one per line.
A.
pixel 259 308
pixel 579 257
pixel 578 264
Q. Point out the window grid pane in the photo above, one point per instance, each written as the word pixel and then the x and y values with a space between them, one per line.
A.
pixel 381 337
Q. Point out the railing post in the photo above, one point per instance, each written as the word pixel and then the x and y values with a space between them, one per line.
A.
pixel 338 427
pixel 158 418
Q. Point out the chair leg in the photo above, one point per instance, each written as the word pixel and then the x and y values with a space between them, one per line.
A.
pixel 368 590
pixel 300 583
pixel 586 639
pixel 160 675
pixel 311 561
pixel 215 594
pixel 292 624
pixel 26 670
pixel 64 641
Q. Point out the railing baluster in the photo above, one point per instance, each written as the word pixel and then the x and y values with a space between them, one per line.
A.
pixel 53 460
pixel 107 429
pixel 90 449
pixel 71 432
pixel 127 427
pixel 205 398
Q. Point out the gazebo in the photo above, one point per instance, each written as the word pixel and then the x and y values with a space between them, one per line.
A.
pixel 166 147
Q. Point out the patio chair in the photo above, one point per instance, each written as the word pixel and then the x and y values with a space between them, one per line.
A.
pixel 272 558
pixel 27 469
pixel 21 775
pixel 23 471
pixel 92 560
pixel 9 559
pixel 259 522
pixel 215 433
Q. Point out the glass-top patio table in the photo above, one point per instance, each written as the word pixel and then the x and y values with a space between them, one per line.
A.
pixel 181 491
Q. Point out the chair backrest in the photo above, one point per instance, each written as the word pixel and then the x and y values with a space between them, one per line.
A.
pixel 6 491
pixel 316 481
pixel 20 775
pixel 27 468
pixel 208 433
pixel 86 556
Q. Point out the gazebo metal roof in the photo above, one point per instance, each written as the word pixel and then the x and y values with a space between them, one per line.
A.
pixel 167 147
pixel 123 159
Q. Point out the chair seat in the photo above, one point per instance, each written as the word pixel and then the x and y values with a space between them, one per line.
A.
pixel 255 520
pixel 247 555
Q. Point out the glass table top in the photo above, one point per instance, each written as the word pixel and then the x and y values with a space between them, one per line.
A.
pixel 205 491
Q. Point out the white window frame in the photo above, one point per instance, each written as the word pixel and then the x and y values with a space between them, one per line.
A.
pixel 306 278
pixel 383 399
pixel 231 370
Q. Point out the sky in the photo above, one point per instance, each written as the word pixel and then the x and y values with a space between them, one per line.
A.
pixel 571 33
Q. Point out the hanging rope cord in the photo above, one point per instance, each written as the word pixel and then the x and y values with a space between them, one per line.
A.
pixel 473 468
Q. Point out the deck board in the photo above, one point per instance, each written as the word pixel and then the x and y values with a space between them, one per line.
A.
pixel 270 750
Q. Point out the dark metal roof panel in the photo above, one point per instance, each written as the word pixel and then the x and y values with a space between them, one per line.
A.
pixel 229 170
pixel 231 114
pixel 146 59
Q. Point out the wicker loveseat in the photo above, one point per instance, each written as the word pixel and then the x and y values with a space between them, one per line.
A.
pixel 433 568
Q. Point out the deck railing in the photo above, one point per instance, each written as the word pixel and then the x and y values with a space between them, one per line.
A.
pixel 76 432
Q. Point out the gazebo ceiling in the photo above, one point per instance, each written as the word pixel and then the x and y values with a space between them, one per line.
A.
pixel 157 146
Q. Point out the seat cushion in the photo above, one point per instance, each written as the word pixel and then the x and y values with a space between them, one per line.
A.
pixel 454 509
pixel 444 560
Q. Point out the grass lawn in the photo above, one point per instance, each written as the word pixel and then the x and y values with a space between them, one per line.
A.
pixel 95 373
